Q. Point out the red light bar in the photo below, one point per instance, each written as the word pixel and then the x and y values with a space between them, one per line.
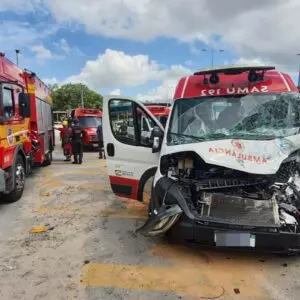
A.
pixel 89 111
pixel 233 70
pixel 157 109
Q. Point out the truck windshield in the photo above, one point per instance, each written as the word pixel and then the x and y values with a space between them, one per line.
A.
pixel 162 119
pixel 89 121
pixel 252 116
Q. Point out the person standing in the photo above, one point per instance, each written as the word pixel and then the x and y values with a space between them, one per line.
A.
pixel 77 142
pixel 100 141
pixel 65 137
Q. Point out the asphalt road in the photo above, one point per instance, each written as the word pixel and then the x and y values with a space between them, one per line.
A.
pixel 88 248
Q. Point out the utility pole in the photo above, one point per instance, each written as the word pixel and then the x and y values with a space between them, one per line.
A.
pixel 212 51
pixel 82 101
pixel 17 56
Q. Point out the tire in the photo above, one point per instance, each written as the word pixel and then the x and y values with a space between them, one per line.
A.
pixel 48 159
pixel 20 175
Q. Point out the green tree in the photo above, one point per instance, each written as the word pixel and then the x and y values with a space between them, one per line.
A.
pixel 69 96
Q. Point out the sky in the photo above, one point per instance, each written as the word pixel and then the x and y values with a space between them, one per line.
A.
pixel 141 48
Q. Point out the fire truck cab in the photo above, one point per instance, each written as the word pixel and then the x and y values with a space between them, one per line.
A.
pixel 26 128
pixel 161 113
pixel 89 119
pixel 227 165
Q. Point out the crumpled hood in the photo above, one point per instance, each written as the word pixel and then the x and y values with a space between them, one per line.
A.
pixel 252 156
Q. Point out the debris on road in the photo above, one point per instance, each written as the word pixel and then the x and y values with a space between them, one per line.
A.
pixel 39 229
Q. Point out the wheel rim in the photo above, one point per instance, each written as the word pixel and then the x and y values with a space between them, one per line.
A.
pixel 20 178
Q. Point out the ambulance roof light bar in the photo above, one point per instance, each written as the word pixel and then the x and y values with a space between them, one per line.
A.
pixel 233 70
pixel 256 73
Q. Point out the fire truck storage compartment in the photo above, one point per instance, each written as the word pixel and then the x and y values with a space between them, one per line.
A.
pixel 44 121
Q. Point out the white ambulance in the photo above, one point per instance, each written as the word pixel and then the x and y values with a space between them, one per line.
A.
pixel 226 166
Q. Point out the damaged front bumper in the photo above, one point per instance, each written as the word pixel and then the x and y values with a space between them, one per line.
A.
pixel 177 216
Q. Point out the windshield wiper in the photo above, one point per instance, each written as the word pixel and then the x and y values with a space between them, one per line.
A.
pixel 196 138
pixel 253 136
pixel 217 136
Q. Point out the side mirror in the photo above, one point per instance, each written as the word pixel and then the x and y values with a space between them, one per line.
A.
pixel 2 120
pixel 24 105
pixel 156 137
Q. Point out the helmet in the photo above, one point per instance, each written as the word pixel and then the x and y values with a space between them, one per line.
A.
pixel 65 123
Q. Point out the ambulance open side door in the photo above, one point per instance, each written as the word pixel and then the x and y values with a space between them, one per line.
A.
pixel 130 158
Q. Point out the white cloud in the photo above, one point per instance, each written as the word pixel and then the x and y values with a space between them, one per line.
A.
pixel 113 69
pixel 169 82
pixel 16 35
pixel 162 92
pixel 50 81
pixel 245 61
pixel 22 6
pixel 43 54
pixel 266 29
pixel 23 36
pixel 115 92
pixel 64 46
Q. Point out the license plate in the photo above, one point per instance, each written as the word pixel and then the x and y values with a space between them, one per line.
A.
pixel 95 145
pixel 234 239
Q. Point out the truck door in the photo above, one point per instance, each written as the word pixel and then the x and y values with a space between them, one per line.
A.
pixel 130 161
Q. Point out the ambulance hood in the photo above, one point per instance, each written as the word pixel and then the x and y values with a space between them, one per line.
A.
pixel 251 156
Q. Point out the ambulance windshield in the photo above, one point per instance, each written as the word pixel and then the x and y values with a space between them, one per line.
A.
pixel 252 116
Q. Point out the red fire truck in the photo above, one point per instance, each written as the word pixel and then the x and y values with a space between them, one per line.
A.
pixel 89 119
pixel 161 113
pixel 26 127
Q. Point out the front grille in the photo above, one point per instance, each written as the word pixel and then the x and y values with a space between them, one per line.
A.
pixel 215 184
pixel 238 210
pixel 94 138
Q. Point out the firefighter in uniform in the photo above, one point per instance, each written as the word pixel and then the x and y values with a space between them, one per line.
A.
pixel 65 137
pixel 77 142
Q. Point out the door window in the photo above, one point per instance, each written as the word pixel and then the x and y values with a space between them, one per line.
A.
pixel 8 103
pixel 130 124
pixel 145 126
pixel 121 118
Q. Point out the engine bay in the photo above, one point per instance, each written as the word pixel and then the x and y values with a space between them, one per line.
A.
pixel 238 197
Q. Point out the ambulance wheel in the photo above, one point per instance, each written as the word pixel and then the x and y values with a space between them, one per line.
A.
pixel 20 175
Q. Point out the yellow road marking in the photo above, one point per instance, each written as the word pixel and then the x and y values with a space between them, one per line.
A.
pixel 45 209
pixel 208 281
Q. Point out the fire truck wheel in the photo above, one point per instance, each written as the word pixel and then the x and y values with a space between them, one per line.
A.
pixel 48 159
pixel 20 175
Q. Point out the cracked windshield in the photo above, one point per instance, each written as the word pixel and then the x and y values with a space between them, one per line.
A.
pixel 149 150
pixel 242 117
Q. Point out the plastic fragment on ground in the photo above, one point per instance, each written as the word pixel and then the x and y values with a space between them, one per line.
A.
pixel 38 229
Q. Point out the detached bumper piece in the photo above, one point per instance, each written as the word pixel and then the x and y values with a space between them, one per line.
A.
pixel 160 223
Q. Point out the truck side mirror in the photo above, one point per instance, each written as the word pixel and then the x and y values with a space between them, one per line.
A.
pixel 156 138
pixel 24 105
